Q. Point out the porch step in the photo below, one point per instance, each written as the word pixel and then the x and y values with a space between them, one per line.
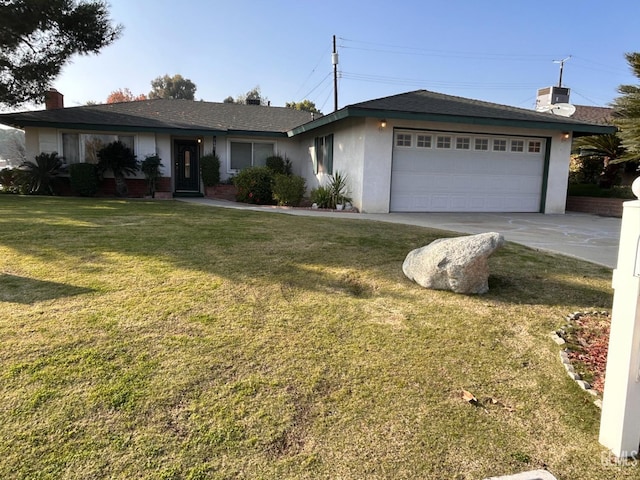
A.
pixel 188 194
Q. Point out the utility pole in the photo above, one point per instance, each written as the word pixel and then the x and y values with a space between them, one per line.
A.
pixel 334 61
pixel 561 62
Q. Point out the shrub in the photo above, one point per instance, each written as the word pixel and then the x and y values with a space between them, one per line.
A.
pixel 10 180
pixel 210 166
pixel 275 163
pixel 585 170
pixel 151 166
pixel 321 196
pixel 83 178
pixel 39 175
pixel 254 185
pixel 288 189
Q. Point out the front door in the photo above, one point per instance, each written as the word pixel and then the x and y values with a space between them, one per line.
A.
pixel 187 166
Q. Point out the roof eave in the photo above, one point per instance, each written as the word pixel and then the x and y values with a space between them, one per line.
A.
pixel 580 128
pixel 17 123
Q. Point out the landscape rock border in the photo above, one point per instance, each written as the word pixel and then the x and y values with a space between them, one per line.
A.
pixel 558 337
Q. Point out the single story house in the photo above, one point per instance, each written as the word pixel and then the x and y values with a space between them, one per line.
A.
pixel 418 151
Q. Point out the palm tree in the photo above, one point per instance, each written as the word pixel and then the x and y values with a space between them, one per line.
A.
pixel 120 159
pixel 39 175
pixel 627 112
pixel 605 149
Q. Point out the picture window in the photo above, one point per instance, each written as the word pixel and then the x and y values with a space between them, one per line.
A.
pixel 249 154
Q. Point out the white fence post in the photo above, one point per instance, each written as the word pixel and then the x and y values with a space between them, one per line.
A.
pixel 620 420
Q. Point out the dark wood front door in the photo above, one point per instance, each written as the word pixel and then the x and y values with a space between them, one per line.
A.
pixel 187 166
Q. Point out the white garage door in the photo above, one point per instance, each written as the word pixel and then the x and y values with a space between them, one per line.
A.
pixel 452 172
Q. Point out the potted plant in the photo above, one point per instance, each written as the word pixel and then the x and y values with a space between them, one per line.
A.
pixel 151 166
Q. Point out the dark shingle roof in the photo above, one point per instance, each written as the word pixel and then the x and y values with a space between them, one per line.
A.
pixel 600 115
pixel 424 101
pixel 166 115
pixel 431 106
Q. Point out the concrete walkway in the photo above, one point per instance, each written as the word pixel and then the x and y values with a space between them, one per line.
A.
pixel 579 235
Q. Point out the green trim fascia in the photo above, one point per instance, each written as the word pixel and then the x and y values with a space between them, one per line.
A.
pixel 141 129
pixel 545 174
pixel 458 119
pixel 324 120
pixel 253 133
pixel 119 128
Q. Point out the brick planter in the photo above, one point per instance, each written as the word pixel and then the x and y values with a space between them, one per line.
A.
pixel 222 192
pixel 606 207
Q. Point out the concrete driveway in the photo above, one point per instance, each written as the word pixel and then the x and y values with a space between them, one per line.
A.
pixel 588 237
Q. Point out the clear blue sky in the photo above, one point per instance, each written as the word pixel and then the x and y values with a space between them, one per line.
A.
pixel 495 50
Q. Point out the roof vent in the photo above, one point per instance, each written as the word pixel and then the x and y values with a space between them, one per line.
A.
pixel 253 101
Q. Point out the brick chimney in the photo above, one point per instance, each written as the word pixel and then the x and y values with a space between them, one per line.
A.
pixel 53 99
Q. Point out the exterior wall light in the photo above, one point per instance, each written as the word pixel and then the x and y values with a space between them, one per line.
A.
pixel 565 136
pixel 383 123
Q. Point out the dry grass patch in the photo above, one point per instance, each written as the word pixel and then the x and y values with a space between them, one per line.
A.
pixel 165 340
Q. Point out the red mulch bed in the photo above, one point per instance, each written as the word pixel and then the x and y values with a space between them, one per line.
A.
pixel 587 337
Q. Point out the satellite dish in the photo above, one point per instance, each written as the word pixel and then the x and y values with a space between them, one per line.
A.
pixel 563 109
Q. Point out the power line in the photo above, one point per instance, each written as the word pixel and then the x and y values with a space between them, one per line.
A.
pixel 405 50
pixel 313 70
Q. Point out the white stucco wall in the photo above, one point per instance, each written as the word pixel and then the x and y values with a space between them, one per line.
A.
pixel 379 145
pixel 377 167
pixel 558 177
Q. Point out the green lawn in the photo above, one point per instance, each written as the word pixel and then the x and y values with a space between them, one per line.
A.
pixel 164 340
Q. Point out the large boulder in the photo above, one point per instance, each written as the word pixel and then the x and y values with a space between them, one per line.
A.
pixel 458 264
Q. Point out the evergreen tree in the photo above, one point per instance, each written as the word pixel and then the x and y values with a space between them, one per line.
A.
pixel 38 37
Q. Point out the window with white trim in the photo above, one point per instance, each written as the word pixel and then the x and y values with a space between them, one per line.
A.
pixel 481 144
pixel 84 147
pixel 517 145
pixel 463 143
pixel 423 141
pixel 249 154
pixel 323 158
pixel 534 146
pixel 499 145
pixel 403 139
pixel 443 141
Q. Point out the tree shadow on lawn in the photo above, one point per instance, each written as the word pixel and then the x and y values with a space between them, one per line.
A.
pixel 317 255
pixel 16 289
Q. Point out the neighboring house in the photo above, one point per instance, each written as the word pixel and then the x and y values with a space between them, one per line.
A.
pixel 589 114
pixel 417 151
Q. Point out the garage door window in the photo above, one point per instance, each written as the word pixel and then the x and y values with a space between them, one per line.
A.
pixel 443 141
pixel 534 147
pixel 499 145
pixel 403 140
pixel 482 144
pixel 463 143
pixel 517 146
pixel 423 141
